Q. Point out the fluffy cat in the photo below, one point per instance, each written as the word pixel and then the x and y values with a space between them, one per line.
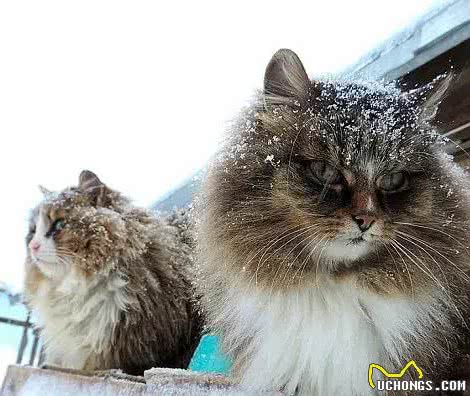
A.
pixel 333 233
pixel 109 282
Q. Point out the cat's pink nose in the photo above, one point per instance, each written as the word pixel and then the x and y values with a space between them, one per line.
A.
pixel 34 246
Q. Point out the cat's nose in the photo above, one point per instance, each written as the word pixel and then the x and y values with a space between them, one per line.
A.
pixel 34 246
pixel 364 222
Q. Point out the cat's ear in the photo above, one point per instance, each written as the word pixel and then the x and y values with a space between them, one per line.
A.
pixel 88 180
pixel 90 184
pixel 44 190
pixel 430 96
pixel 285 79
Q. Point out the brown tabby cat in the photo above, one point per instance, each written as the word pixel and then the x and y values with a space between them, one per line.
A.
pixel 333 234
pixel 109 282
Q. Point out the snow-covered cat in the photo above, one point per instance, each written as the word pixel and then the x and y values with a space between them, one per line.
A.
pixel 333 233
pixel 109 282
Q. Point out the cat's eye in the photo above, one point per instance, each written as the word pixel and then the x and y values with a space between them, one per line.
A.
pixel 393 182
pixel 56 226
pixel 325 173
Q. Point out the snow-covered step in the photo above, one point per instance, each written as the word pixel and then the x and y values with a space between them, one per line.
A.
pixel 31 381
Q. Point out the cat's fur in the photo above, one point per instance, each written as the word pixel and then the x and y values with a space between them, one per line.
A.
pixel 111 286
pixel 304 300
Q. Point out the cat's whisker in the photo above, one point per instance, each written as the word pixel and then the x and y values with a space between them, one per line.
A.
pixel 458 146
pixel 64 250
pixel 63 261
pixel 71 256
pixel 405 266
pixel 426 271
pixel 293 248
pixel 265 249
pixel 303 231
pixel 419 240
pixel 308 258
pixel 409 240
pixel 390 253
pixel 438 283
pixel 289 266
pixel 461 273
pixel 445 290
pixel 318 261
pixel 45 254
pixel 432 229
pixel 434 226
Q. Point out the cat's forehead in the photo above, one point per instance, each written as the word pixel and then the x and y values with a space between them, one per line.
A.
pixel 374 150
pixel 59 202
pixel 363 127
pixel 353 107
pixel 370 99
pixel 50 211
pixel 368 128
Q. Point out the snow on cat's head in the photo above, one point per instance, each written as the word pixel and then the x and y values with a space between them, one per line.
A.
pixel 319 176
pixel 75 229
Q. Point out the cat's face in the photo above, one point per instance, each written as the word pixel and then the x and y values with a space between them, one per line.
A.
pixel 327 175
pixel 350 165
pixel 73 229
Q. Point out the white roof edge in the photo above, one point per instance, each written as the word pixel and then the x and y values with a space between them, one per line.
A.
pixel 436 32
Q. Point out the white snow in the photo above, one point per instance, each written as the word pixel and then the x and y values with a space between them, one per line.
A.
pixel 7 357
pixel 174 383
pixel 269 158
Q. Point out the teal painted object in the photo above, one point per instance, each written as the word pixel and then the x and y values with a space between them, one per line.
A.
pixel 208 357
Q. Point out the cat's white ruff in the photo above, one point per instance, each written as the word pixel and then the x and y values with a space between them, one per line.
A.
pixel 321 340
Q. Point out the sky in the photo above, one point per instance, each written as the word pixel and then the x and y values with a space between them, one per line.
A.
pixel 139 92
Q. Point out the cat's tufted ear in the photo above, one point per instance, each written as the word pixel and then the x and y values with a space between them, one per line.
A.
pixel 285 79
pixel 90 184
pixel 430 96
pixel 87 180
pixel 44 190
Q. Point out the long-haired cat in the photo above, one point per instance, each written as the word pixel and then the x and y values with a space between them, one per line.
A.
pixel 109 282
pixel 333 234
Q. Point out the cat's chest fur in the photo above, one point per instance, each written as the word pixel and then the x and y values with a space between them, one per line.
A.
pixel 80 317
pixel 320 341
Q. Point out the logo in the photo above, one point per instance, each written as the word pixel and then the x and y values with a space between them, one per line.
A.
pixel 411 363
pixel 394 381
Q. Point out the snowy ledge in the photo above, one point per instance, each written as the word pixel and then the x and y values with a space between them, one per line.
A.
pixel 26 381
